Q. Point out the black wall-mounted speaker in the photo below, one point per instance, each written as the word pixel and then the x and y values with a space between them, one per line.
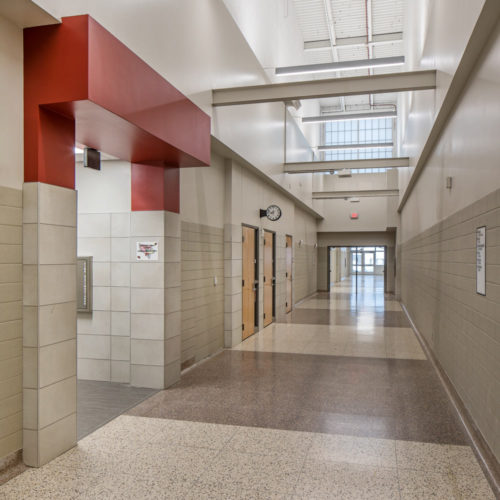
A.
pixel 92 158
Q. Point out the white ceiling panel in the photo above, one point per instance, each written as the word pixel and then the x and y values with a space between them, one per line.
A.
pixel 312 19
pixel 349 17
pixel 387 16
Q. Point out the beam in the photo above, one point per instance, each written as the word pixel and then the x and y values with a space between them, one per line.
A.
pixel 331 87
pixel 368 193
pixel 329 166
pixel 354 41
pixel 342 147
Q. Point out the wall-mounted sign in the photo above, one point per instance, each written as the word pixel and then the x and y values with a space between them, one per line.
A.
pixel 481 260
pixel 354 215
pixel 147 250
pixel 272 212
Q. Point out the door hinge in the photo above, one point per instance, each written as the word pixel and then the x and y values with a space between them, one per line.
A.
pixel 264 279
pixel 286 275
pixel 243 326
pixel 264 315
pixel 286 304
pixel 242 282
pixel 243 239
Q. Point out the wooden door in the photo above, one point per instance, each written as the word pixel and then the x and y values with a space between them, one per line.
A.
pixel 248 283
pixel 268 277
pixel 289 253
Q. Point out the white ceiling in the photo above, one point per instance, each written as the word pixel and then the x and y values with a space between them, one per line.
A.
pixel 336 20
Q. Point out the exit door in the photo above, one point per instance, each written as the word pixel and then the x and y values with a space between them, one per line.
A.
pixel 269 277
pixel 249 281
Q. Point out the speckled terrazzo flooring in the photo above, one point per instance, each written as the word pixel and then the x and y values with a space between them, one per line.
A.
pixel 139 458
pixel 348 409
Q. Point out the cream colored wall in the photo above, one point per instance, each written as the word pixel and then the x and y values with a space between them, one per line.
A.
pixel 11 104
pixel 197 46
pixel 11 295
pixel 437 254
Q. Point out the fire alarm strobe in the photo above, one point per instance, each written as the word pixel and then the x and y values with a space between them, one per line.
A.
pixel 272 212
pixel 354 215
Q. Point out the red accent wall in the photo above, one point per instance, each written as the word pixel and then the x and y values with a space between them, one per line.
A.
pixel 82 84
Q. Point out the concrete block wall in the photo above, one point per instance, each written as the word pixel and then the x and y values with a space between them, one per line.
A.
pixel 11 326
pixel 202 291
pixel 438 287
pixel 104 334
pixel 49 329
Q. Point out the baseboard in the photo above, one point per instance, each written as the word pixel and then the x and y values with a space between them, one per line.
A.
pixel 307 297
pixel 485 456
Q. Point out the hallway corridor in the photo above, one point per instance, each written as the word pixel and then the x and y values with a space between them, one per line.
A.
pixel 338 402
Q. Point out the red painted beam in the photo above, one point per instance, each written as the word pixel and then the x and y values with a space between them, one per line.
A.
pixel 82 83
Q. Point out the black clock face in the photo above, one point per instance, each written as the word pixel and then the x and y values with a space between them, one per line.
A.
pixel 273 212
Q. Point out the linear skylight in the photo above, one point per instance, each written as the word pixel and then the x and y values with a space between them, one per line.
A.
pixel 348 117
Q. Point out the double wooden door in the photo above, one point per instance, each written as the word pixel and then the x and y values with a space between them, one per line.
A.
pixel 289 254
pixel 269 277
pixel 249 282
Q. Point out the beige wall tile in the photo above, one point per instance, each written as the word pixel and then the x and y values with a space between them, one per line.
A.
pixel 11 216
pixel 30 203
pixel 147 223
pixel 97 248
pixel 95 323
pixel 57 362
pixel 101 298
pixel 146 352
pixel 147 300
pixel 30 447
pixel 57 322
pixel 30 409
pixel 11 197
pixel 10 273
pixel 57 401
pixel 30 326
pixel 56 205
pixel 101 274
pixel 120 274
pixel 30 367
pixel 120 323
pixel 94 346
pixel 11 254
pixel 94 369
pixel 172 274
pixel 11 330
pixel 11 292
pixel 172 324
pixel 120 250
pixel 30 243
pixel 120 348
pixel 10 311
pixel 147 376
pixel 57 283
pixel 56 244
pixel 120 225
pixel 172 249
pixel 57 438
pixel 30 285
pixel 172 373
pixel 94 225
pixel 120 298
pixel 172 349
pixel 120 371
pixel 147 326
pixel 147 275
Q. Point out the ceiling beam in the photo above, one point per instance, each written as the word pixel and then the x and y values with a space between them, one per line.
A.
pixel 339 117
pixel 354 41
pixel 329 166
pixel 368 193
pixel 331 87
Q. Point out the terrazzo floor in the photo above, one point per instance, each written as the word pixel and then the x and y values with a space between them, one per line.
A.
pixel 338 402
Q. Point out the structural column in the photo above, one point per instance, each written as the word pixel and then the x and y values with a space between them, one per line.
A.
pixel 280 284
pixel 49 329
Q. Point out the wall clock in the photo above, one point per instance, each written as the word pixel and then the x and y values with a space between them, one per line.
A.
pixel 272 212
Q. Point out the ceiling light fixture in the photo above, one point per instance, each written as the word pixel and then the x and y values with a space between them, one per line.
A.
pixel 381 62
pixel 78 150
pixel 344 117
pixel 341 147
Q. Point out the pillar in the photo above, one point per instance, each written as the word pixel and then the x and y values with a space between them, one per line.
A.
pixel 49 327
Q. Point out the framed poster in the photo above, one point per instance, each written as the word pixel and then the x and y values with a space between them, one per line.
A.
pixel 481 260
pixel 146 250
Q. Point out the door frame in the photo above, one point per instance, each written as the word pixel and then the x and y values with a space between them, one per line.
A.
pixel 274 273
pixel 257 277
pixel 286 277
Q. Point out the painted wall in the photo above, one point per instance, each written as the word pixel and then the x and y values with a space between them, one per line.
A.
pixel 437 244
pixel 11 175
pixel 103 336
pixel 213 53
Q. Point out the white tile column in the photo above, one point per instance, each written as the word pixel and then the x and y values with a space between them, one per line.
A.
pixel 280 276
pixel 49 322
pixel 155 347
